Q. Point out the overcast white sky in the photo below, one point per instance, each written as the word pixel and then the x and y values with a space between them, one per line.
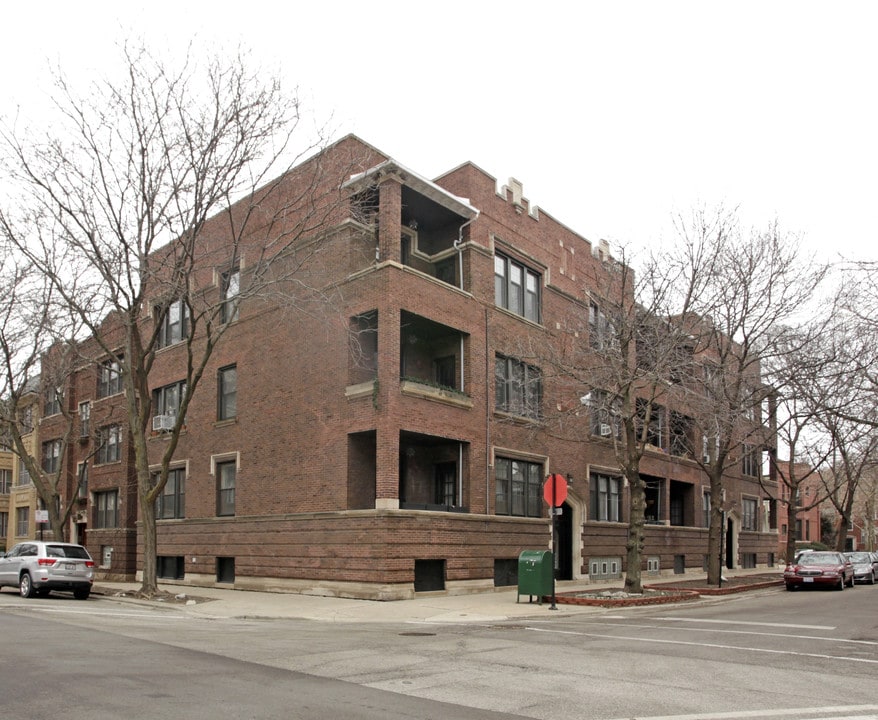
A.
pixel 614 115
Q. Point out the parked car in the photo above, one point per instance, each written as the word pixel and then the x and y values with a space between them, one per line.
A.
pixel 864 569
pixel 824 568
pixel 36 568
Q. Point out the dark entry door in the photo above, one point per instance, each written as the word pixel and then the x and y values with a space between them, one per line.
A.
pixel 564 544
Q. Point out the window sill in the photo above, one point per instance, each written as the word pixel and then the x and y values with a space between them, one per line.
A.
pixel 226 422
pixel 521 419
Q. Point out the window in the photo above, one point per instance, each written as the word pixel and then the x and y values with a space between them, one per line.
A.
pixel 227 393
pixel 22 521
pixel 750 460
pixel 23 474
pixel 82 480
pixel 5 484
pixel 605 493
pixel 175 324
pixel 109 378
pixel 109 444
pixel 170 567
pixel 51 456
pixel 748 514
pixel 52 402
pixel 655 434
pixel 106 511
pixel 166 400
pixel 601 331
pixel 681 435
pixel 4 524
pixel 84 419
pixel 604 415
pixel 518 387
pixel 518 485
pixel 231 286
pixel 172 501
pixel 516 288
pixel 26 418
pixel 705 509
pixel 226 475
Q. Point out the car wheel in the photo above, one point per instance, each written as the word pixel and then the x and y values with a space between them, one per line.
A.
pixel 851 583
pixel 872 579
pixel 26 586
pixel 81 594
pixel 841 583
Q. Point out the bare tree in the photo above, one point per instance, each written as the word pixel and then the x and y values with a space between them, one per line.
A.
pixel 146 191
pixel 620 351
pixel 752 288
pixel 30 321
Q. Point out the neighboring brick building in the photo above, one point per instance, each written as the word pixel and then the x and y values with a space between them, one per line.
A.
pixel 389 443
pixel 804 521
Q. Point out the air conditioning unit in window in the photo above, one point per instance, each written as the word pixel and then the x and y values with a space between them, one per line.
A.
pixel 162 422
pixel 606 430
pixel 705 459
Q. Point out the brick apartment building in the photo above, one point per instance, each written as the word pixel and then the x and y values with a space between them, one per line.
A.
pixel 390 442
pixel 18 497
pixel 797 515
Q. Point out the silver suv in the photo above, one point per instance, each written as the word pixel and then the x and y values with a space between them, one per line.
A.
pixel 36 567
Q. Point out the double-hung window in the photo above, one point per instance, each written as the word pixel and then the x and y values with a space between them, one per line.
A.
pixel 166 400
pixel 518 485
pixel 84 419
pixel 226 476
pixel 109 378
pixel 605 497
pixel 750 460
pixel 52 402
pixel 172 501
pixel 231 287
pixel 51 456
pixel 106 509
pixel 518 387
pixel 748 514
pixel 516 288
pixel 109 444
pixel 227 393
pixel 175 324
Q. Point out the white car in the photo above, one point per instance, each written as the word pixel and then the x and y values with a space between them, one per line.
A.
pixel 36 568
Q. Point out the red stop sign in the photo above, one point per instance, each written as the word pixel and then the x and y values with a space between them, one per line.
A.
pixel 555 490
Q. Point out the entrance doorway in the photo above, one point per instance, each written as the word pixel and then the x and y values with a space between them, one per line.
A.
pixel 564 543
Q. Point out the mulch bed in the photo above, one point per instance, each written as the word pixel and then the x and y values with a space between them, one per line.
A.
pixel 669 592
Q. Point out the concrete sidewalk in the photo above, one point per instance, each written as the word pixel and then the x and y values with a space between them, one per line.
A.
pixel 485 607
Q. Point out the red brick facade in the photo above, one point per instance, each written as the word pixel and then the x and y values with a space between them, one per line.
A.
pixel 372 472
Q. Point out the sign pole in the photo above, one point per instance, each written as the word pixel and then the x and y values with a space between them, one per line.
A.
pixel 553 478
pixel 554 493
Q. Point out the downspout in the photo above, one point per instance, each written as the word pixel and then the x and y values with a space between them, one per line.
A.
pixel 487 423
pixel 460 473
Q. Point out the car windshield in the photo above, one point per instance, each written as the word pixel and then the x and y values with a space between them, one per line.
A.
pixel 860 557
pixel 68 551
pixel 817 558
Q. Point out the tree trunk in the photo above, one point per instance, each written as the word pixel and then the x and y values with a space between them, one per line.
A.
pixel 634 546
pixel 715 533
pixel 149 583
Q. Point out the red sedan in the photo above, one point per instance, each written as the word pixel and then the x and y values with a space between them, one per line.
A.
pixel 831 569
